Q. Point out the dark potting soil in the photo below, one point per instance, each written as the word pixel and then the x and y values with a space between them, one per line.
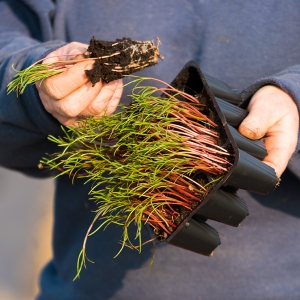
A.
pixel 120 57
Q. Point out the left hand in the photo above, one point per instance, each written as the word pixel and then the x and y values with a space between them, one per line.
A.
pixel 70 97
pixel 274 117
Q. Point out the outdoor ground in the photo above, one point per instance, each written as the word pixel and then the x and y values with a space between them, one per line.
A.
pixel 25 229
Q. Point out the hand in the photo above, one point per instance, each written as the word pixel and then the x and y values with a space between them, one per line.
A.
pixel 70 96
pixel 273 116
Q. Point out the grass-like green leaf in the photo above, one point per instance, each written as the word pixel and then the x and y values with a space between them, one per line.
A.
pixel 141 161
pixel 30 75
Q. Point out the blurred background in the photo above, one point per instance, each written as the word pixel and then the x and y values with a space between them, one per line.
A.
pixel 25 233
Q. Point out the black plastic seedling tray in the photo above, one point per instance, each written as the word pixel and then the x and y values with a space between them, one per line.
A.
pixel 247 172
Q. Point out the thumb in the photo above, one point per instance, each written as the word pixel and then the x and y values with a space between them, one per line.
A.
pixel 61 85
pixel 66 52
pixel 255 125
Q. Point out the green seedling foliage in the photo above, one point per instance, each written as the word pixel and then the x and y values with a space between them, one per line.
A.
pixel 145 155
pixel 31 75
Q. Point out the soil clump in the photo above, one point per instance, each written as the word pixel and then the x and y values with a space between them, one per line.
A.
pixel 120 57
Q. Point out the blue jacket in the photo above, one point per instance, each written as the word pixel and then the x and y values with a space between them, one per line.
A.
pixel 247 44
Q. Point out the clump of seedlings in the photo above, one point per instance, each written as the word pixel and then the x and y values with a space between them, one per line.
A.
pixel 158 159
pixel 113 60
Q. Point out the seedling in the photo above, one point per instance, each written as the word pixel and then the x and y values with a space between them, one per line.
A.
pixel 153 157
pixel 156 162
pixel 113 60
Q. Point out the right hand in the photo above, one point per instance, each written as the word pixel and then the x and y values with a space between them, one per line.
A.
pixel 70 97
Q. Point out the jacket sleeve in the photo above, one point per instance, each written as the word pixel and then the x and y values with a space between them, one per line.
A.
pixel 289 81
pixel 25 37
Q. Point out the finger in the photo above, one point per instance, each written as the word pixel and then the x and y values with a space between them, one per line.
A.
pixel 76 102
pixel 48 105
pixel 109 96
pixel 279 151
pixel 113 103
pixel 75 50
pixel 66 121
pixel 274 116
pixel 51 58
pixel 256 124
pixel 267 106
pixel 61 85
pixel 278 157
pixel 281 141
pixel 108 106
pixel 66 52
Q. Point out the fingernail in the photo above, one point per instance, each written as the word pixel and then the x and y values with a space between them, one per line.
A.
pixel 89 67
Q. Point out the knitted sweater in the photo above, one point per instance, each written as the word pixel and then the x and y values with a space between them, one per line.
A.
pixel 246 44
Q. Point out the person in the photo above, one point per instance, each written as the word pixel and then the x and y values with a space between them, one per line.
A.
pixel 253 46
